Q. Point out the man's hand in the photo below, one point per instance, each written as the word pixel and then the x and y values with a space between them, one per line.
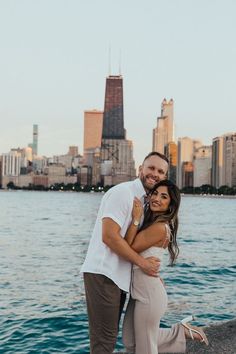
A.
pixel 151 266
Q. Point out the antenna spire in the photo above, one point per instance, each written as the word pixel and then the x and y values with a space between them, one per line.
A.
pixel 120 62
pixel 109 61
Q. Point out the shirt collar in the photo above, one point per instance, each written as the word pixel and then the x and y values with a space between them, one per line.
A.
pixel 141 193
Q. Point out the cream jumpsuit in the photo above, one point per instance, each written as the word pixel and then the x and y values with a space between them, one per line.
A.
pixel 147 304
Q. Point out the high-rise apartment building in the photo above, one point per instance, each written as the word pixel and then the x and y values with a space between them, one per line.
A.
pixel 202 166
pixel 186 150
pixel 217 162
pixel 224 160
pixel 11 163
pixel 0 171
pixel 187 174
pixel 171 154
pixel 229 160
pixel 164 131
pixel 93 121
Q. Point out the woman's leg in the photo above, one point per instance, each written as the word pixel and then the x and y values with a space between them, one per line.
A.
pixel 150 305
pixel 172 340
pixel 142 318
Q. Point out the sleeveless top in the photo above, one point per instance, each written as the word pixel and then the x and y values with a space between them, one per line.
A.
pixel 155 251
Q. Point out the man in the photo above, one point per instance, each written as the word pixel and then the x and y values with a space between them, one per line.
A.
pixel 107 267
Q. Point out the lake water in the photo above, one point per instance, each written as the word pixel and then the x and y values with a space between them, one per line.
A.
pixel 43 241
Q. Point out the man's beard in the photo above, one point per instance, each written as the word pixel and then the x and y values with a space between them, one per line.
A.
pixel 147 186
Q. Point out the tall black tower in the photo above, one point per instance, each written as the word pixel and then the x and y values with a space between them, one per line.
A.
pixel 116 157
pixel 113 116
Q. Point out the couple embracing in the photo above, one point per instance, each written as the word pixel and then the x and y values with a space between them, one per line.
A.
pixel 137 221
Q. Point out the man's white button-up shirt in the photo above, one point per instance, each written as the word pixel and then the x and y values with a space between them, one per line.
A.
pixel 116 204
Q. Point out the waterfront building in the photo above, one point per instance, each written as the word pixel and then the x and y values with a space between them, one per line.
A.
pixel 224 160
pixel 73 151
pixel 202 166
pixel 56 174
pixel 229 159
pixel 186 150
pixel 217 162
pixel 11 163
pixel 17 166
pixel 187 174
pixel 0 171
pixel 84 175
pixel 39 163
pixel 40 180
pixel 70 161
pixel 65 160
pixel 164 131
pixel 55 169
pixel 19 181
pixel 116 150
pixel 93 120
pixel 113 116
pixel 171 153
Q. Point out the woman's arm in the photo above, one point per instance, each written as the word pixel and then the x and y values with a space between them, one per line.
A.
pixel 137 213
pixel 154 235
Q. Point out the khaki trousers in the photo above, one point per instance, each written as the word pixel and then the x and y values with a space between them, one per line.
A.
pixel 141 332
pixel 105 302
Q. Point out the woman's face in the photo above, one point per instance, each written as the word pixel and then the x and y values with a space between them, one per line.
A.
pixel 160 200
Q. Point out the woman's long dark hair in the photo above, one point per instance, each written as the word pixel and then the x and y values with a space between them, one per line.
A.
pixel 170 216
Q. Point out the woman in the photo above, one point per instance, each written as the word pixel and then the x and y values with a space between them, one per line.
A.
pixel 148 302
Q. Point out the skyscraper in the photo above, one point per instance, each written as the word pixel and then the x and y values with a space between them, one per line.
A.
pixel 171 154
pixel 217 162
pixel 35 139
pixel 186 150
pixel 93 120
pixel 202 166
pixel 0 171
pixel 34 145
pixel 230 159
pixel 224 160
pixel 164 131
pixel 113 117
pixel 117 162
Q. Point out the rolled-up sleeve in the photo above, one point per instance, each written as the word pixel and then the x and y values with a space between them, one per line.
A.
pixel 118 206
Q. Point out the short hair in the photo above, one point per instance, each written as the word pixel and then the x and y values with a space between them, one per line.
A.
pixel 156 153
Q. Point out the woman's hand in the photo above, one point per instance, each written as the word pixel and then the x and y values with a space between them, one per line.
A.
pixel 137 211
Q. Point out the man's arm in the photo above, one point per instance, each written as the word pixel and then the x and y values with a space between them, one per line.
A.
pixel 137 213
pixel 112 238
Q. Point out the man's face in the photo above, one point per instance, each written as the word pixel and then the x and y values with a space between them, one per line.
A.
pixel 153 170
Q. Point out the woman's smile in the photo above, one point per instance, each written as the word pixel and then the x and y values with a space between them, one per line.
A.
pixel 160 199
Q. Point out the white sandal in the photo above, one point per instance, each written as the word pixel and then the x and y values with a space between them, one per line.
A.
pixel 192 330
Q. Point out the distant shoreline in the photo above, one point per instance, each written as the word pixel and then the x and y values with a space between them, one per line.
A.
pixel 209 195
pixel 182 194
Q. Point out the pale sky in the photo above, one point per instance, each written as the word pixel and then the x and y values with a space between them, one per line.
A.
pixel 54 62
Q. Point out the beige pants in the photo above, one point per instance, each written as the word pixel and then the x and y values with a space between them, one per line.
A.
pixel 141 332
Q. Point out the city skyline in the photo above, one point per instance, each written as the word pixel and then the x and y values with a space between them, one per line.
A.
pixel 51 74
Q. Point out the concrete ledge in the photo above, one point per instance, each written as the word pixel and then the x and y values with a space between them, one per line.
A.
pixel 222 339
